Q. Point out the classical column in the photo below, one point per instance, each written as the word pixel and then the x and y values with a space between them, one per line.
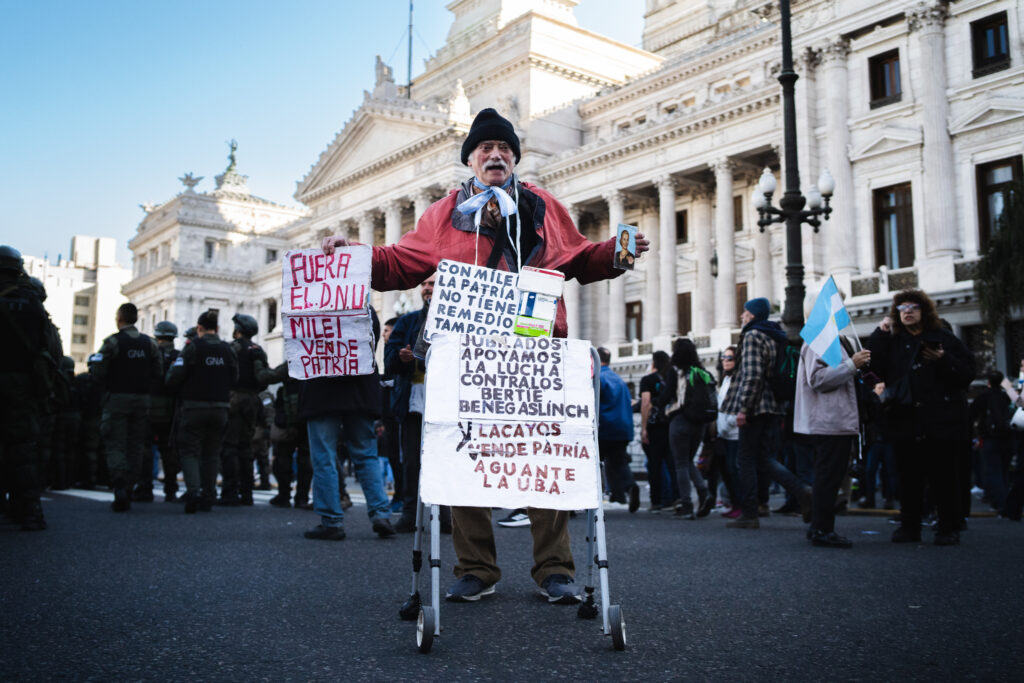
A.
pixel 392 233
pixel 616 287
pixel 762 283
pixel 365 223
pixel 702 298
pixel 841 229
pixel 927 21
pixel 725 285
pixel 571 293
pixel 668 312
pixel 650 226
pixel 421 201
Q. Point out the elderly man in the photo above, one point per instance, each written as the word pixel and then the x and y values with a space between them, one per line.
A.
pixel 494 219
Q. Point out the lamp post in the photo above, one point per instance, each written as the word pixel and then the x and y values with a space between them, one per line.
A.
pixel 791 206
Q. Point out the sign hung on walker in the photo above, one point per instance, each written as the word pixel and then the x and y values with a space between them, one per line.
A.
pixel 511 436
pixel 328 331
pixel 477 300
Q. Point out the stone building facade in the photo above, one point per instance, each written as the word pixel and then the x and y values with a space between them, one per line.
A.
pixel 915 107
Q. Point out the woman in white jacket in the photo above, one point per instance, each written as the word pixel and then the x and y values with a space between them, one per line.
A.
pixel 826 410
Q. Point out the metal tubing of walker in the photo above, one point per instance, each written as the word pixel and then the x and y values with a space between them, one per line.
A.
pixel 602 556
pixel 591 546
pixel 435 566
pixel 417 544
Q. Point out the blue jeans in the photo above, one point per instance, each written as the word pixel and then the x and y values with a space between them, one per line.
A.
pixel 684 439
pixel 362 449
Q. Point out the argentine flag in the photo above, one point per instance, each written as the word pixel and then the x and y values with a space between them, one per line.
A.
pixel 822 329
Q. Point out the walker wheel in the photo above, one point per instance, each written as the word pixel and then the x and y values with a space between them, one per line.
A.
pixel 618 627
pixel 425 629
pixel 410 609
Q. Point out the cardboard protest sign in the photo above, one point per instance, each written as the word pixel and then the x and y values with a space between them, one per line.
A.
pixel 513 438
pixel 328 345
pixel 471 299
pixel 328 331
pixel 314 281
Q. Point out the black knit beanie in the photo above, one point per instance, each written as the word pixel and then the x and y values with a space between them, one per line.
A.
pixel 490 125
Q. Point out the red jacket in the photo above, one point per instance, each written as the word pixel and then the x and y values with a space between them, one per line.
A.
pixel 444 233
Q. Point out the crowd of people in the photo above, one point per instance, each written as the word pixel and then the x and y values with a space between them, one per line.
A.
pixel 893 415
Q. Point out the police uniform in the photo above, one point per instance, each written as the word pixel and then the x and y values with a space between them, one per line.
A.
pixel 128 363
pixel 27 368
pixel 291 442
pixel 90 399
pixel 66 428
pixel 237 456
pixel 261 438
pixel 161 415
pixel 203 373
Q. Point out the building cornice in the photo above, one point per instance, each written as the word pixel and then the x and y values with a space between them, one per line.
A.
pixel 677 69
pixel 657 133
pixel 397 157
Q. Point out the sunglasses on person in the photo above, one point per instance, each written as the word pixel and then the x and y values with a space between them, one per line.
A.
pixel 728 358
pixel 906 308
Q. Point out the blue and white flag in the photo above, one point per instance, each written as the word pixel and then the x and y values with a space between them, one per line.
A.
pixel 822 329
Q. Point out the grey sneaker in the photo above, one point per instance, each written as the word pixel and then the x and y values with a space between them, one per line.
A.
pixel 468 589
pixel 559 588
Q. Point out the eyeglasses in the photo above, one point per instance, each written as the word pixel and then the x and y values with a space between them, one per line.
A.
pixel 906 308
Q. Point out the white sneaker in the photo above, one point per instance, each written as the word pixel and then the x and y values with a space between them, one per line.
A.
pixel 518 517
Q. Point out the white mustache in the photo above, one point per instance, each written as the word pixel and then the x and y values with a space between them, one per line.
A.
pixel 496 164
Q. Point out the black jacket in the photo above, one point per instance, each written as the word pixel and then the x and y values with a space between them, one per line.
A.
pixel 359 394
pixel 938 390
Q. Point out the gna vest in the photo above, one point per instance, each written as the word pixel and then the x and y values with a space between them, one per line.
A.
pixel 130 371
pixel 210 378
pixel 247 354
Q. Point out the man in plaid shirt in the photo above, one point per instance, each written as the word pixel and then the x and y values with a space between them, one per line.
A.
pixel 758 414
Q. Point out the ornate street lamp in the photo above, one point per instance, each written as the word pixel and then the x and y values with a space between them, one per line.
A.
pixel 791 206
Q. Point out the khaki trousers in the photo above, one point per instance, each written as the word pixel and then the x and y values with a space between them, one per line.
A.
pixel 473 538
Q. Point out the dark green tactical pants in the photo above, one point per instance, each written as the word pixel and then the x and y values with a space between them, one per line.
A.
pixel 124 427
pixel 199 443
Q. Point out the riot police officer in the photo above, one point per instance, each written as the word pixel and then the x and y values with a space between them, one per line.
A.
pixel 66 427
pixel 161 415
pixel 90 400
pixel 128 363
pixel 27 367
pixel 204 372
pixel 237 456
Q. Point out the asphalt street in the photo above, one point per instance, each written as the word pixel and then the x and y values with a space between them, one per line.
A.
pixel 239 595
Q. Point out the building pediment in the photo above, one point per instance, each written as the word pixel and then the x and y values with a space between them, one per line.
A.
pixel 990 113
pixel 889 139
pixel 377 130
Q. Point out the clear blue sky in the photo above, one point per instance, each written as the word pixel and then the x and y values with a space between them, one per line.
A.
pixel 107 103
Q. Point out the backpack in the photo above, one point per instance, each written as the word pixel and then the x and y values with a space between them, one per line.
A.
pixel 782 380
pixel 700 400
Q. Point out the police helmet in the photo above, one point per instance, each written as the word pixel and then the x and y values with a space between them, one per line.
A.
pixel 10 259
pixel 38 287
pixel 165 329
pixel 68 363
pixel 246 324
pixel 191 333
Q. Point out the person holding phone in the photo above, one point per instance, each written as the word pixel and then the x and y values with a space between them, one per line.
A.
pixel 926 370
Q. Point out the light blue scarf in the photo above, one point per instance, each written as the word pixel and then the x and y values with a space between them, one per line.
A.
pixel 506 205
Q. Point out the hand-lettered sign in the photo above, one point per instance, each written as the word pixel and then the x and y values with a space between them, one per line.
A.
pixel 328 331
pixel 506 438
pixel 314 281
pixel 472 300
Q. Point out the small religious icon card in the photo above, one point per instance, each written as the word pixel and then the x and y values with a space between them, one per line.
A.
pixel 625 247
